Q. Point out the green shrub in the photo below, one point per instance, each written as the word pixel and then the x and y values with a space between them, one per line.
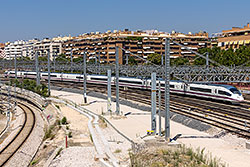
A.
pixel 34 162
pixel 91 138
pixel 64 121
pixel 31 85
pixel 48 134
pixel 171 156
pixel 57 106
pixel 118 151
pixel 59 151
pixel 70 134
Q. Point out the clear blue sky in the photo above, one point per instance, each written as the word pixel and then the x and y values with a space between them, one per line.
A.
pixel 27 19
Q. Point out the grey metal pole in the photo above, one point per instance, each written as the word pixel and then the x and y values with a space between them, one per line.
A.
pixel 159 103
pixel 153 102
pixel 84 78
pixel 54 61
pixel 109 92
pixel 207 62
pixel 117 80
pixel 99 57
pixel 48 73
pixel 37 70
pixel 126 59
pixel 15 68
pixel 162 60
pixel 15 78
pixel 167 97
pixel 71 60
pixel 99 64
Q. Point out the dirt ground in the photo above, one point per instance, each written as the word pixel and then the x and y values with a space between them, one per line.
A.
pixel 75 129
pixel 2 121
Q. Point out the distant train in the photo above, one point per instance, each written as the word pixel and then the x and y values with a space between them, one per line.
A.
pixel 212 91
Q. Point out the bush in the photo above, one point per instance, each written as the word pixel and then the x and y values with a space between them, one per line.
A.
pixel 170 156
pixel 34 162
pixel 31 86
pixel 118 151
pixel 64 121
pixel 58 152
pixel 70 134
pixel 48 134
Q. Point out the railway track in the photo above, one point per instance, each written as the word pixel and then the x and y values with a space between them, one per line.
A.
pixel 232 118
pixel 8 151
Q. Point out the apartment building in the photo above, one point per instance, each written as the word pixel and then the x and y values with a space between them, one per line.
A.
pixel 235 37
pixel 141 43
pixel 43 46
pixel 13 49
pixel 2 53
pixel 28 48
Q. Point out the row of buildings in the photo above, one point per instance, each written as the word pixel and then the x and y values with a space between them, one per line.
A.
pixel 140 43
pixel 28 48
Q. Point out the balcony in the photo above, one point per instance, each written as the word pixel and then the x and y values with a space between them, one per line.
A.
pixel 148 52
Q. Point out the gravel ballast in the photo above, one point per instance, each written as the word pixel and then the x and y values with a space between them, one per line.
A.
pixel 25 154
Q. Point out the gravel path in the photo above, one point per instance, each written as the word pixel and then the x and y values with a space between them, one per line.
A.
pixel 81 151
pixel 76 157
pixel 118 145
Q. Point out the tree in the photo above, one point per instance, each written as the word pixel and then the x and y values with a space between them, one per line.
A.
pixel 62 58
pixel 78 59
pixel 132 61
pixel 91 61
pixel 43 58
pixel 225 57
pixel 154 58
pixel 179 61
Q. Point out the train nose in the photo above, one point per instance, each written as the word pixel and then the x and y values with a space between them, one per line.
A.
pixel 241 98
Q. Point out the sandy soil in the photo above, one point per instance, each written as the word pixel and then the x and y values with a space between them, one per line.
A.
pixel 78 125
pixel 79 145
pixel 227 148
pixel 3 119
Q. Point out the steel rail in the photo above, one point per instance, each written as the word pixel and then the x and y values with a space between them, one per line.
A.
pixel 20 138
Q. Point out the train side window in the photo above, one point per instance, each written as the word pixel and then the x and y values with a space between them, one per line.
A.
pixel 201 89
pixel 99 79
pixel 133 82
pixel 79 77
pixel 45 75
pixel 221 92
pixel 163 85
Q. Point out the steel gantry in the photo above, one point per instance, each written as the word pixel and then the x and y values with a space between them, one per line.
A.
pixel 207 74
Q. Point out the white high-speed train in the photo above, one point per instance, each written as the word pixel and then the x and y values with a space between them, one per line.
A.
pixel 212 91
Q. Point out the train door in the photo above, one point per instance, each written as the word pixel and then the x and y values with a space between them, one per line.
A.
pixel 185 88
pixel 143 84
pixel 61 76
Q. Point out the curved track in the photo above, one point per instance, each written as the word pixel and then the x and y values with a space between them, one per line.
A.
pixel 21 136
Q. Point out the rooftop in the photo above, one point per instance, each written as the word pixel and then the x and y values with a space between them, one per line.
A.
pixel 237 29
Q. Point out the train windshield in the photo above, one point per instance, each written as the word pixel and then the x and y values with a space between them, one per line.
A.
pixel 235 91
